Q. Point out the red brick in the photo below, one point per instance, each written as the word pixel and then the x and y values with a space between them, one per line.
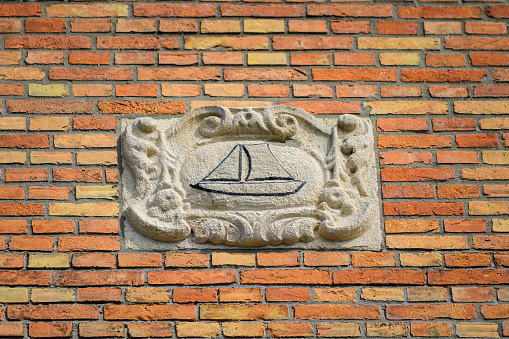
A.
pixel 29 278
pixel 11 329
pixel 12 260
pixel 414 141
pixel 80 175
pixel 25 174
pixel 490 91
pixel 373 259
pixel 194 295
pixel 371 74
pixel 178 26
pixel 288 276
pixel 282 11
pixel 20 10
pixel 53 312
pixel 11 89
pixel 495 311
pixel 105 278
pixel 472 27
pixel 174 10
pixel 264 74
pixel 431 329
pixel 178 58
pixel 445 60
pixel 10 26
pixel 307 26
pixel 397 27
pixel 423 208
pixel 400 91
pixel 472 294
pixel 433 75
pixel 20 209
pixel 45 26
pixel 139 260
pixel 52 226
pixel 457 157
pixel 94 123
pixel 99 294
pixel 101 329
pixel 407 191
pixel 438 91
pixel 402 124
pixel 222 58
pixel 476 140
pixel 177 73
pixel 152 329
pixel 141 107
pixel 491 242
pixel 457 191
pixel 489 59
pixel 48 42
pixel 356 91
pixel 416 174
pixel 186 260
pixel 88 243
pixel 136 90
pixel 143 58
pixel 453 124
pixel 99 226
pixel 311 43
pixel 150 312
pixel 350 27
pixel 240 295
pixel 13 227
pixel 497 11
pixel 378 277
pixel 209 277
pixel 268 91
pixel 91 74
pixel 12 192
pixel 136 26
pixel 477 43
pixel 31 243
pixel 133 42
pixel 326 259
pixel 287 294
pixel 332 311
pixel 50 330
pixel 287 259
pixel 310 59
pixel 49 106
pixel 93 260
pixel 468 277
pixel 411 226
pixel 440 12
pixel 89 58
pixel 464 225
pixel 325 107
pixel 431 311
pixel 91 25
pixel 180 90
pixel 357 11
pixel 467 259
pixel 290 329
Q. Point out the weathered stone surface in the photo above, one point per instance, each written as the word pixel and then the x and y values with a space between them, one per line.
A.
pixel 250 177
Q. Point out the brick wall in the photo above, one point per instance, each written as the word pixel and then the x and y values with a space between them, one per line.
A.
pixel 433 78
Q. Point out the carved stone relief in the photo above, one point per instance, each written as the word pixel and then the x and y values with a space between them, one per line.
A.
pixel 252 177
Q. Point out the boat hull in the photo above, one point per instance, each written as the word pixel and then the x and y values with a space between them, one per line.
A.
pixel 265 188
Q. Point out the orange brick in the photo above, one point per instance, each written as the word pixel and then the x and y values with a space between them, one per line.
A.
pixel 445 60
pixel 180 90
pixel 332 311
pixel 397 27
pixel 50 330
pixel 13 226
pixel 334 294
pixel 473 27
pixel 356 91
pixel 89 58
pixel 91 25
pixel 189 277
pixel 420 259
pixel 136 26
pixel 95 90
pixel 178 26
pixel 152 329
pixel 222 58
pixel 287 294
pixel 88 243
pixel 101 295
pixel 52 226
pixel 194 295
pixel 438 91
pixel 287 276
pixel 48 192
pixel 243 312
pixel 430 329
pixel 186 260
pixel 139 260
pixel 464 225
pixel 268 91
pixel 472 294
pixel 278 259
pixel 99 226
pixel 240 295
pixel 312 91
pixel 307 26
pixel 301 59
pixel 101 329
pixel 443 27
pixel 12 192
pixel 143 58
pixel 350 27
pixel 150 312
pixel 25 174
pixel 290 329
pixel 143 90
pixel 148 295
pixel 354 59
pixel 373 259
pixel 224 90
pixel 400 91
pixel 326 259
pixel 31 243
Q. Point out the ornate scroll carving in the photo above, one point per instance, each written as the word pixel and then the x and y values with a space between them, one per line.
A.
pixel 251 177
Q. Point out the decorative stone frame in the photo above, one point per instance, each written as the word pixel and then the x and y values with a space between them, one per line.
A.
pixel 331 158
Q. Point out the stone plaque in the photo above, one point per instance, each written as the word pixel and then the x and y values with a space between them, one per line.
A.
pixel 277 176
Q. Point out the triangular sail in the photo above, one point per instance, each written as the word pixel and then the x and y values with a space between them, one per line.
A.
pixel 264 166
pixel 229 169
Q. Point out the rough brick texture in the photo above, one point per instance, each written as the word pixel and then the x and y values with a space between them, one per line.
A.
pixel 433 77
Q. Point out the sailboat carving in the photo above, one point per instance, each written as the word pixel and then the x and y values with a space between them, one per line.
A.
pixel 250 170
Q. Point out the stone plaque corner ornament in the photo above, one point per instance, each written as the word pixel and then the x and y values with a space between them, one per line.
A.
pixel 221 177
